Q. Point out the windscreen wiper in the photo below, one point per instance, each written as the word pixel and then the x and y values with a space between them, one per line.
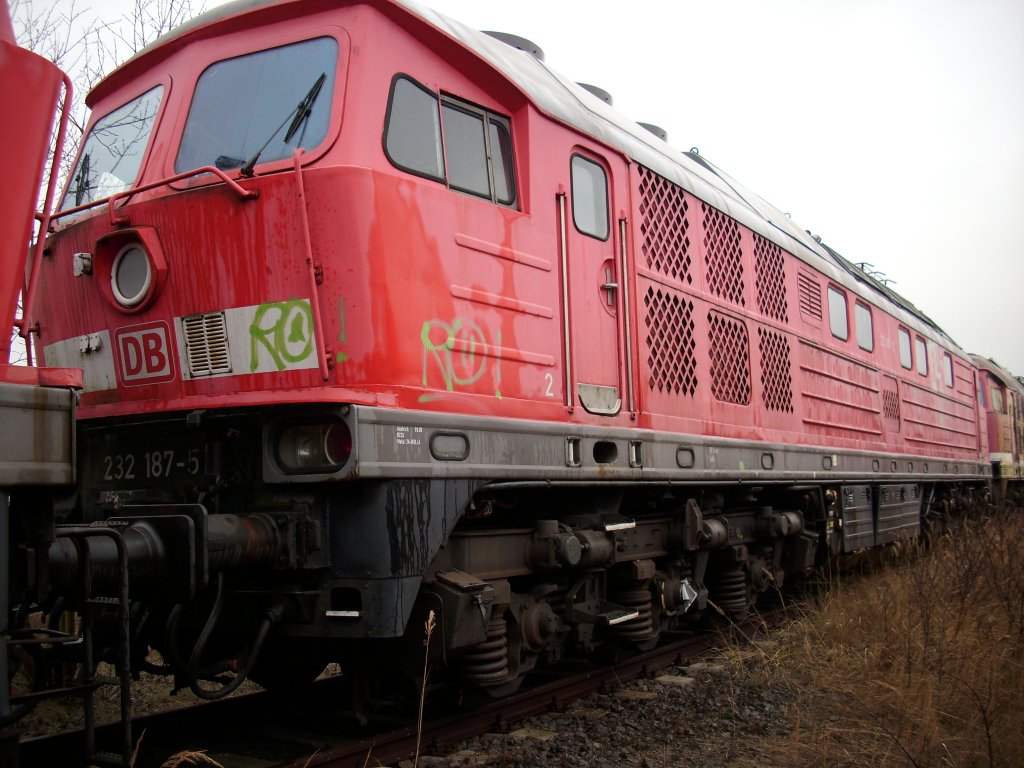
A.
pixel 305 107
pixel 226 162
pixel 82 180
pixel 298 117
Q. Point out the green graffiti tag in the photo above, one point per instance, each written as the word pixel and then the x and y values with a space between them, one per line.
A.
pixel 458 351
pixel 342 328
pixel 285 330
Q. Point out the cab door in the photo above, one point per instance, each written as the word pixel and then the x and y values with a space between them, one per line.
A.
pixel 593 288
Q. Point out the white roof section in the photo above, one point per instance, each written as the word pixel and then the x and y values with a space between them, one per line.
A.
pixel 564 100
pixel 574 105
pixel 990 365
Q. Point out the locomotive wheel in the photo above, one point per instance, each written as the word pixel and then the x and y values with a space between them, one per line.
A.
pixel 501 690
pixel 285 666
pixel 472 696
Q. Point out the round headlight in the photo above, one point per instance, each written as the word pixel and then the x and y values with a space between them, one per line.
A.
pixel 314 448
pixel 131 275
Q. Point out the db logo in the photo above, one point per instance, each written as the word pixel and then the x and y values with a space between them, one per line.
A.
pixel 144 352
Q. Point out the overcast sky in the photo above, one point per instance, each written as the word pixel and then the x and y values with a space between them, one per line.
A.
pixel 892 129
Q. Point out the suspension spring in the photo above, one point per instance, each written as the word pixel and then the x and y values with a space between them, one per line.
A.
pixel 728 588
pixel 487 663
pixel 642 627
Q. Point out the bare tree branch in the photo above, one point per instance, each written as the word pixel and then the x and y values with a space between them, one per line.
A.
pixel 87 49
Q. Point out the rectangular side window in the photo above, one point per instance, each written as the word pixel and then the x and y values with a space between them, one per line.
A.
pixel 865 329
pixel 981 389
pixel 465 153
pixel 501 159
pixel 921 350
pixel 947 369
pixel 837 319
pixel 905 356
pixel 413 136
pixel 997 398
pixel 475 154
pixel 589 197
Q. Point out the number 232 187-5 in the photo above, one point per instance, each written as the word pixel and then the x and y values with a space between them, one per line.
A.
pixel 150 465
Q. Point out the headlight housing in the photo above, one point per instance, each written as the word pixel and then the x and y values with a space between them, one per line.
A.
pixel 317 448
pixel 132 263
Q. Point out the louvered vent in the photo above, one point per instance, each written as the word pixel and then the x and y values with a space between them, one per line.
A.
pixel 810 295
pixel 664 227
pixel 776 377
pixel 206 344
pixel 730 359
pixel 723 256
pixel 670 343
pixel 770 279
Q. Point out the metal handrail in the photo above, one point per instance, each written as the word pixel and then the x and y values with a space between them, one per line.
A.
pixel 248 194
pixel 115 221
pixel 307 243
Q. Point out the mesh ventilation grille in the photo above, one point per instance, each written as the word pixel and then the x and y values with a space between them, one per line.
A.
pixel 206 344
pixel 664 226
pixel 776 378
pixel 723 255
pixel 891 405
pixel 770 279
pixel 670 343
pixel 890 399
pixel 730 359
pixel 810 295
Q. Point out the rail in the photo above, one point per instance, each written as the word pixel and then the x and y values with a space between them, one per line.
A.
pixel 300 726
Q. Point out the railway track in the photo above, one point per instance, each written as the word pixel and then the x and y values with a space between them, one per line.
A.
pixel 264 730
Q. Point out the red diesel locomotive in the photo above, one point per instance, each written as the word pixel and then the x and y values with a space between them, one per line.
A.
pixel 378 315
pixel 1001 397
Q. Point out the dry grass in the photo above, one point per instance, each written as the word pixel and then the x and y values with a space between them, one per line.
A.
pixel 916 665
pixel 190 758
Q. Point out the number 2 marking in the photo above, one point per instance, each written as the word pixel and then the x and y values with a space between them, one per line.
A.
pixel 550 380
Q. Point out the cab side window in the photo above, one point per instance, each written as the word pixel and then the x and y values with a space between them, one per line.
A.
pixel 413 137
pixel 921 350
pixel 997 399
pixel 865 329
pixel 451 141
pixel 906 360
pixel 589 197
pixel 838 322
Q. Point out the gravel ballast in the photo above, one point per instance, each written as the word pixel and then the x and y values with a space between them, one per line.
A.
pixel 706 714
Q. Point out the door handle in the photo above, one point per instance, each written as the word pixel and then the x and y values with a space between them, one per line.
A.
pixel 610 286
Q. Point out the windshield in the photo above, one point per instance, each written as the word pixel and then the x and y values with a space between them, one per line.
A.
pixel 242 106
pixel 112 153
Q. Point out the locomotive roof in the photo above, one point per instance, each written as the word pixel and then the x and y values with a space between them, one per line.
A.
pixel 990 365
pixel 568 102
